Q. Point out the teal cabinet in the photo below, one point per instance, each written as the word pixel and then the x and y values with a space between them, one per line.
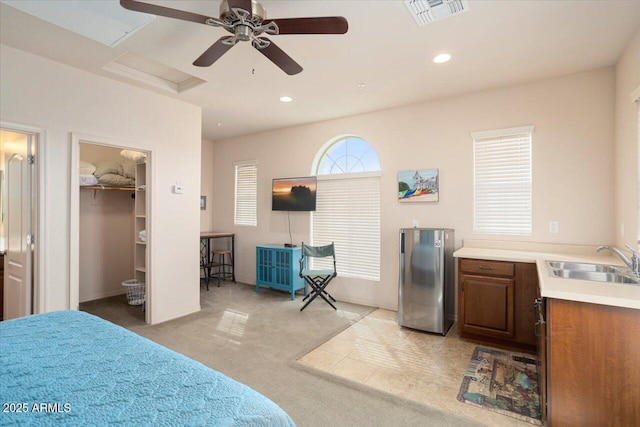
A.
pixel 278 267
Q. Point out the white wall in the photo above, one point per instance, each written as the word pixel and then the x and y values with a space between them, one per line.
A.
pixel 572 169
pixel 61 99
pixel 626 188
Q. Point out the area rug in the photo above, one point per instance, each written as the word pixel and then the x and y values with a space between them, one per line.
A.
pixel 503 382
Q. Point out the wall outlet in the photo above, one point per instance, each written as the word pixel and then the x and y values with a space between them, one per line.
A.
pixel 554 227
pixel 416 223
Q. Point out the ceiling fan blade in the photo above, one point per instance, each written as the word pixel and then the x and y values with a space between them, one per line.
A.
pixel 320 25
pixel 278 57
pixel 214 52
pixel 153 9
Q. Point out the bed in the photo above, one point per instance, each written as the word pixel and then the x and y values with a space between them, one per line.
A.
pixel 72 368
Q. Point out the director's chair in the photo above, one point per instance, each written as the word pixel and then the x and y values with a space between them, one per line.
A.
pixel 317 279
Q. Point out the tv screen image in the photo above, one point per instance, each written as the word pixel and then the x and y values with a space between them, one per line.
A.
pixel 294 194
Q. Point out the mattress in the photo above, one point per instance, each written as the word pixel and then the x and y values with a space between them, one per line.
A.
pixel 72 368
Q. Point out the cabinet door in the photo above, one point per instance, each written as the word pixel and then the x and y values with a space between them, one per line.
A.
pixel 264 264
pixel 487 306
pixel 526 290
pixel 541 334
pixel 282 269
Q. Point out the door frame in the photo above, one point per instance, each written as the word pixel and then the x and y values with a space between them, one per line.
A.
pixel 38 188
pixel 74 215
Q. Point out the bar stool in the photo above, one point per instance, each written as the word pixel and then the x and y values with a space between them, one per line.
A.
pixel 224 264
pixel 206 268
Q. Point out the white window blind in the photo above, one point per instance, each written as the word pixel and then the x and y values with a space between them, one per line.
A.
pixel 348 214
pixel 502 181
pixel 246 194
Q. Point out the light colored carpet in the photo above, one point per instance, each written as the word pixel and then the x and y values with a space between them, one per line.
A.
pixel 256 339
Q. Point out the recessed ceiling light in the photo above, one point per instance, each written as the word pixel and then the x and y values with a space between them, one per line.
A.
pixel 442 58
pixel 361 85
pixel 286 99
pixel 219 124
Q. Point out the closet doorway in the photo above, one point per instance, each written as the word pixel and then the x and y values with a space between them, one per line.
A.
pixel 110 269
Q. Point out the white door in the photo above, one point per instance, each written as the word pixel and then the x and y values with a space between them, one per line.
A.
pixel 18 256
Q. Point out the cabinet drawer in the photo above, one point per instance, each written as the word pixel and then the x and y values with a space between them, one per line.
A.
pixel 492 268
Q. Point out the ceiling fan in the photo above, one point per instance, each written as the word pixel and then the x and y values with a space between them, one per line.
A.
pixel 245 19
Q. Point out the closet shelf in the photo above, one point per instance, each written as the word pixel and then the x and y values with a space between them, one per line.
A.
pixel 141 269
pixel 105 187
pixel 141 216
pixel 140 242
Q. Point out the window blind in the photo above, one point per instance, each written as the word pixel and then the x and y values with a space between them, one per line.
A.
pixel 246 194
pixel 502 183
pixel 348 214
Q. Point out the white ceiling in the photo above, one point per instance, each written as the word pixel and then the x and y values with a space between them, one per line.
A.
pixel 496 43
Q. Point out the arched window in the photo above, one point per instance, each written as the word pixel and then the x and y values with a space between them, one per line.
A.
pixel 350 154
pixel 348 205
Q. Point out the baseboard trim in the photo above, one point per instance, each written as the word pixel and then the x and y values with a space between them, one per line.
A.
pixel 104 295
pixel 177 315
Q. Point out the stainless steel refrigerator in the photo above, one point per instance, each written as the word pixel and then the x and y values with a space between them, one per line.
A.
pixel 426 288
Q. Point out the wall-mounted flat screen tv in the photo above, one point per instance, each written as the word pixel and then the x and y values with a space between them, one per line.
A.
pixel 294 194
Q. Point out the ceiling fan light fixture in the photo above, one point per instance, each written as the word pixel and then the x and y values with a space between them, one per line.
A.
pixel 361 85
pixel 442 58
pixel 286 99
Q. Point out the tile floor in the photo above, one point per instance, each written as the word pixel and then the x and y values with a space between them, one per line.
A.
pixel 426 368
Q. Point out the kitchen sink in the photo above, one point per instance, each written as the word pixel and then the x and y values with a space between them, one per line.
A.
pixel 594 272
pixel 581 266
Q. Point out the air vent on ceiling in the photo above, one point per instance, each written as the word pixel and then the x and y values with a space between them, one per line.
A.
pixel 428 11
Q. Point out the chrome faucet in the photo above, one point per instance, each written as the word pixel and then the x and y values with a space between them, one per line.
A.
pixel 633 264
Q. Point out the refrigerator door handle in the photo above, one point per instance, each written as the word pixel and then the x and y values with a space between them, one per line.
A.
pixel 401 243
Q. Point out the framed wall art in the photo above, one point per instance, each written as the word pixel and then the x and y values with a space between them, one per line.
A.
pixel 418 185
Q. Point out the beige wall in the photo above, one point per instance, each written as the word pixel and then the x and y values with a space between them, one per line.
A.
pixel 106 233
pixel 61 99
pixel 572 169
pixel 106 243
pixel 626 143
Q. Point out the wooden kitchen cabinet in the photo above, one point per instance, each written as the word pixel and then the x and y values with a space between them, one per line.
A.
pixel 592 364
pixel 495 302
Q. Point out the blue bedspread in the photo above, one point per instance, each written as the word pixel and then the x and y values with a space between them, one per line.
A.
pixel 72 368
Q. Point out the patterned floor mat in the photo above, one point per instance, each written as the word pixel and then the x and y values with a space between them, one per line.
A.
pixel 503 382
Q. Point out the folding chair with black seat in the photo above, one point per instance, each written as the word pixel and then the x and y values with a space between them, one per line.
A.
pixel 317 279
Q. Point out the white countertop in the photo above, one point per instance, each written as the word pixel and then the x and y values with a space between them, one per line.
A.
pixel 614 294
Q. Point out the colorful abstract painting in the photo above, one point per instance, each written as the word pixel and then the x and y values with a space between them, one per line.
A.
pixel 418 185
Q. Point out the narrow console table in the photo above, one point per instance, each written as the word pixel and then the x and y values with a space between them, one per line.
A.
pixel 278 267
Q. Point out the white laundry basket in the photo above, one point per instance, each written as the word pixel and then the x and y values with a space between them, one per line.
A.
pixel 135 291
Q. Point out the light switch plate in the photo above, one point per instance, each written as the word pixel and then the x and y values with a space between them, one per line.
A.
pixel 178 189
pixel 554 227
